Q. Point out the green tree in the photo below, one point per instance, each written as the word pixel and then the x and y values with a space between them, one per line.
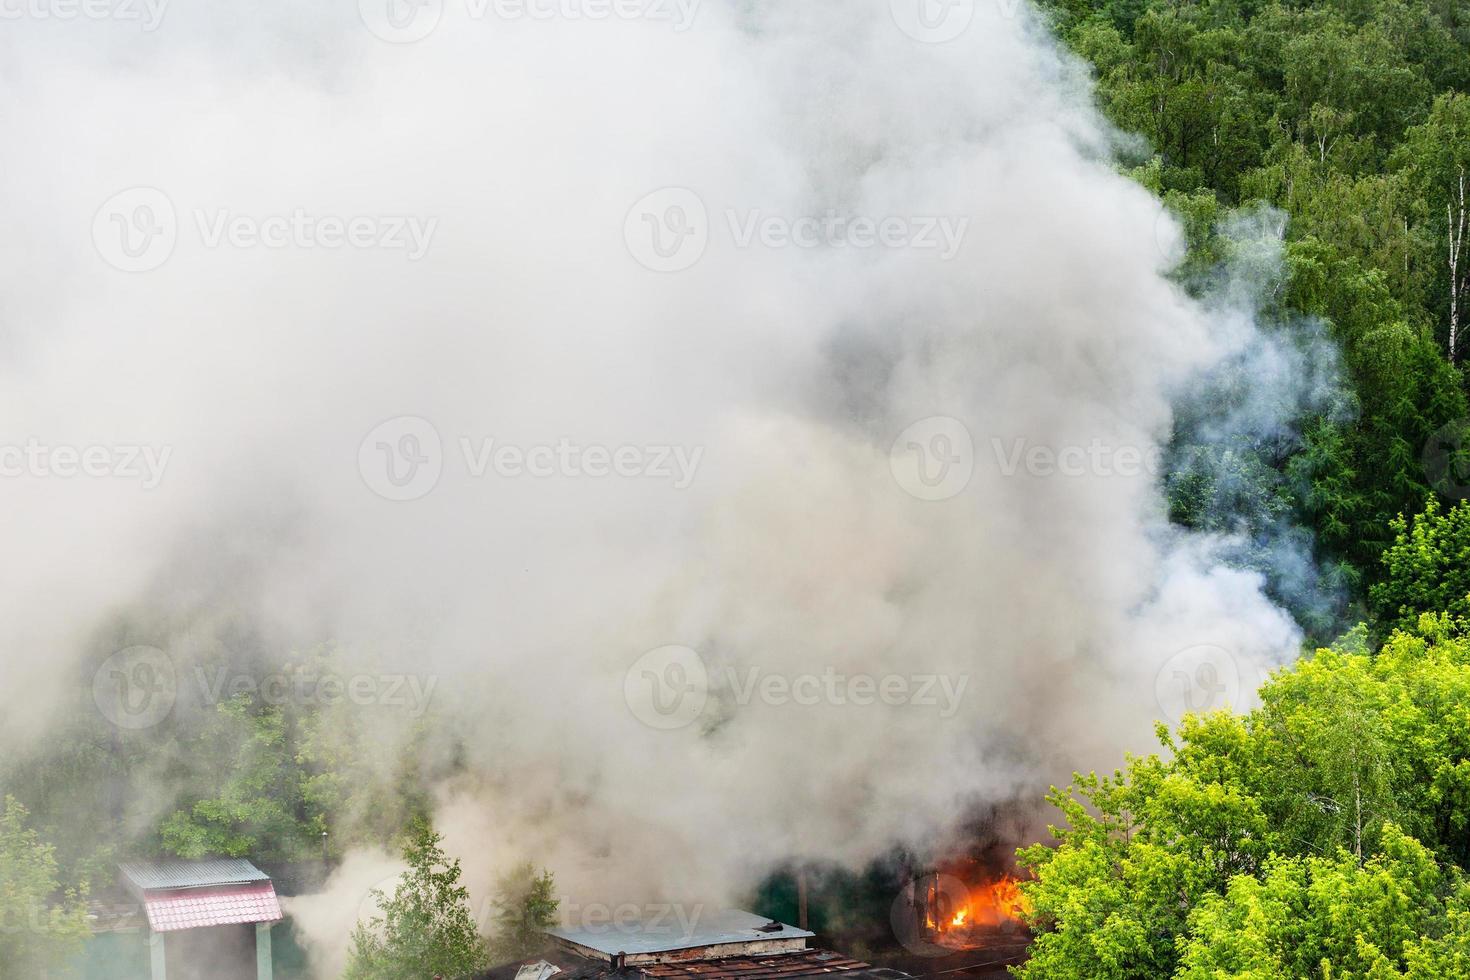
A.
pixel 525 907
pixel 42 925
pixel 426 927
pixel 1321 835
pixel 1316 916
pixel 1436 155
pixel 1426 568
pixel 256 810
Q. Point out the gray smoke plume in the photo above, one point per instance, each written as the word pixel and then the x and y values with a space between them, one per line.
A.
pixel 874 351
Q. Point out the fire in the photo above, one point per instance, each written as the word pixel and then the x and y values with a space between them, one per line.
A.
pixel 1008 899
pixel 995 904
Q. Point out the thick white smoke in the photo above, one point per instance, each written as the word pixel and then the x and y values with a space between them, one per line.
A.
pixel 1047 591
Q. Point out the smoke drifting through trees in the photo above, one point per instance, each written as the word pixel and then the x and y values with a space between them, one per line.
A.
pixel 1066 601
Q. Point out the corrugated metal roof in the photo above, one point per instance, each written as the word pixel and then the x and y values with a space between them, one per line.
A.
pixel 153 875
pixel 674 929
pixel 226 905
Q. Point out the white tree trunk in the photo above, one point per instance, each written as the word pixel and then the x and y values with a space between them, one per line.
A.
pixel 1455 212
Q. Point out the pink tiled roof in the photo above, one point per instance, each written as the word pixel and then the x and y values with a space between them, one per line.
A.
pixel 191 908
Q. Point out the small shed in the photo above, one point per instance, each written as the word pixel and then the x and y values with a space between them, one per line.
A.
pixel 185 895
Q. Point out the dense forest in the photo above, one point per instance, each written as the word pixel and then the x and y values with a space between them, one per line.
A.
pixel 1325 833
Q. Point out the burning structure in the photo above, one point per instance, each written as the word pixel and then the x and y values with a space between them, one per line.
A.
pixel 953 914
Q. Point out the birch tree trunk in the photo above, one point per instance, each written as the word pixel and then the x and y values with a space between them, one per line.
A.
pixel 1455 213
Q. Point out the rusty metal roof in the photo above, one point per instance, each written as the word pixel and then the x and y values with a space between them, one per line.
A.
pixel 773 966
pixel 777 966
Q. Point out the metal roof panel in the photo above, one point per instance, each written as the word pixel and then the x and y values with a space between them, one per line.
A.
pixel 154 875
pixel 669 931
pixel 171 910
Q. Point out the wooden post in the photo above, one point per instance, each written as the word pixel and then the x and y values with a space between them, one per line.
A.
pixel 801 897
pixel 263 967
pixel 155 956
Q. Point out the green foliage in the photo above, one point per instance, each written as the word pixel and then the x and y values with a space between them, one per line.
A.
pixel 426 927
pixel 1319 916
pixel 42 926
pixel 1427 567
pixel 525 906
pixel 1324 834
pixel 1349 117
pixel 286 770
pixel 254 812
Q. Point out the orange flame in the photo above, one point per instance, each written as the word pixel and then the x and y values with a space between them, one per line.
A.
pixel 992 905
